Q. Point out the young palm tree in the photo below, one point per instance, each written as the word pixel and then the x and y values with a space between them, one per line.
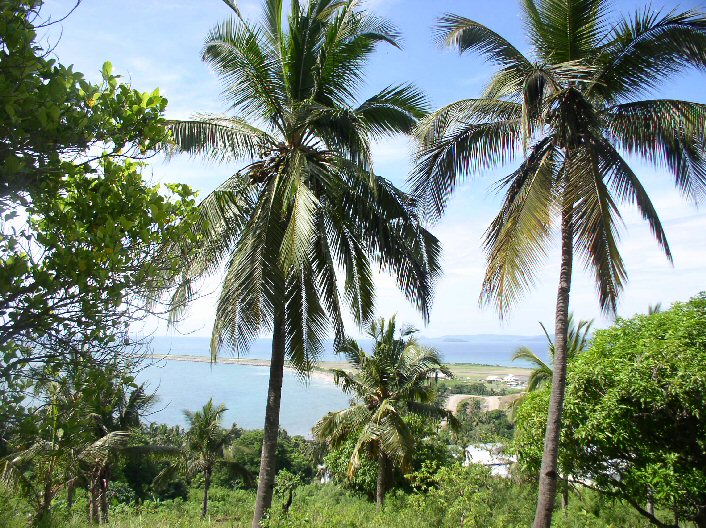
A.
pixel 206 446
pixel 206 440
pixel 393 380
pixel 573 110
pixel 577 340
pixel 308 204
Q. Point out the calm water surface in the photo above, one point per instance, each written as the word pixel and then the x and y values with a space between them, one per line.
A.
pixel 183 385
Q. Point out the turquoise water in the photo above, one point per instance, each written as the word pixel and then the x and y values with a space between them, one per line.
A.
pixel 484 350
pixel 182 385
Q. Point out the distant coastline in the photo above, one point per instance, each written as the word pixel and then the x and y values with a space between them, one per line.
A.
pixel 324 369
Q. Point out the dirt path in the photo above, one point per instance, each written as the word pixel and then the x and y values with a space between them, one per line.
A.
pixel 489 403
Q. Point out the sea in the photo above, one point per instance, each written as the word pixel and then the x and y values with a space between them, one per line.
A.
pixel 188 385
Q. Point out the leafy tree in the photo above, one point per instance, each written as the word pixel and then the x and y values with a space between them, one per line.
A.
pixel 309 203
pixel 293 453
pixel 139 471
pixel 114 403
pixel 634 425
pixel 80 230
pixel 478 426
pixel 470 496
pixel 393 380
pixel 79 422
pixel 431 452
pixel 285 484
pixel 573 111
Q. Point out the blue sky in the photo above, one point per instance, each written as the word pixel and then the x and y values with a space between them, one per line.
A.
pixel 157 44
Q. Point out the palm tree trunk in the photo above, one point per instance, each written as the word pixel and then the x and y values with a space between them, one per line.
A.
pixel 548 477
pixel 206 486
pixel 268 460
pixel 565 494
pixel 70 490
pixel 93 499
pixel 104 482
pixel 382 480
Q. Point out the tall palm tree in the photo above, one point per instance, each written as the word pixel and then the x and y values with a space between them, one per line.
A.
pixel 573 109
pixel 308 204
pixel 577 342
pixel 393 380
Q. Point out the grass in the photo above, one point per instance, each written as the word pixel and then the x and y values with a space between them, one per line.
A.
pixel 467 497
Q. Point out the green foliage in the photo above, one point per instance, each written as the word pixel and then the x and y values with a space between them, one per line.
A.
pixel 79 422
pixel 14 511
pixel 633 420
pixel 431 453
pixel 530 424
pixel 477 388
pixel 139 471
pixel 80 231
pixel 508 505
pixel 390 386
pixel 293 454
pixel 337 461
pixel 478 426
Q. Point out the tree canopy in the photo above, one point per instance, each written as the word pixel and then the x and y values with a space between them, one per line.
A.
pixel 80 228
pixel 634 422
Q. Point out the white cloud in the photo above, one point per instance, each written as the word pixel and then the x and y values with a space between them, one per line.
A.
pixel 158 44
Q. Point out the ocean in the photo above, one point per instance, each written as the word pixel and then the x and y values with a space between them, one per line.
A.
pixel 184 385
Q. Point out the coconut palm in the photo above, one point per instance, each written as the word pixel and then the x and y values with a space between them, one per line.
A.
pixel 577 340
pixel 69 443
pixel 308 204
pixel 206 442
pixel 206 446
pixel 570 113
pixel 393 380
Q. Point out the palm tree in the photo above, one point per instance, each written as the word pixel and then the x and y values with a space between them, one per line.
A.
pixel 206 446
pixel 206 441
pixel 573 111
pixel 654 308
pixel 309 203
pixel 577 341
pixel 393 380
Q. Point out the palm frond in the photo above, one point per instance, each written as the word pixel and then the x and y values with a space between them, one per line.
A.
pixel 394 110
pixel 646 49
pixel 468 147
pixel 595 219
pixel 516 240
pixel 217 138
pixel 566 31
pixel 247 66
pixel 665 132
pixel 467 35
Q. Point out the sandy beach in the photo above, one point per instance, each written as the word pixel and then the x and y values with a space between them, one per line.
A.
pixel 323 369
pixel 320 372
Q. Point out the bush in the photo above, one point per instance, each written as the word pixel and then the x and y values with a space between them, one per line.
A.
pixel 633 415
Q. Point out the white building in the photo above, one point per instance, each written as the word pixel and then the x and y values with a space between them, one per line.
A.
pixel 490 455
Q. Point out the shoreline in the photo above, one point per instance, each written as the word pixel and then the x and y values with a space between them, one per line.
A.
pixel 323 369
pixel 317 372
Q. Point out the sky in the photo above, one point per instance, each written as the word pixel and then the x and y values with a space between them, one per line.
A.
pixel 157 44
